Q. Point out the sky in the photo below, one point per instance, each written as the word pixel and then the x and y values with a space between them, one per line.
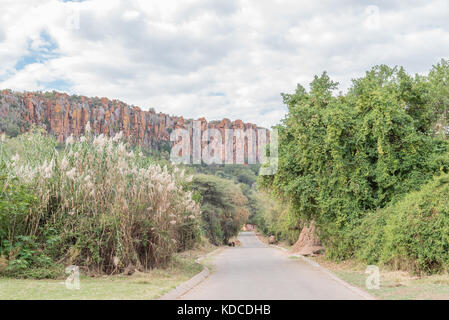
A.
pixel 213 59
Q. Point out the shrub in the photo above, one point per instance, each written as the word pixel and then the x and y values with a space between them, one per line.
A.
pixel 412 234
pixel 273 218
pixel 100 205
pixel 343 156
pixel 223 207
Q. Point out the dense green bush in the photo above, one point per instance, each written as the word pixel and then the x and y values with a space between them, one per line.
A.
pixel 94 203
pixel 411 234
pixel 272 217
pixel 342 157
pixel 245 176
pixel 239 173
pixel 21 251
pixel 223 207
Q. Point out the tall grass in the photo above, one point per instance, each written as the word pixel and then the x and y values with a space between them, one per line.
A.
pixel 99 204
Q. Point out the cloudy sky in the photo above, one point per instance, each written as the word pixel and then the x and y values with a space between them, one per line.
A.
pixel 224 58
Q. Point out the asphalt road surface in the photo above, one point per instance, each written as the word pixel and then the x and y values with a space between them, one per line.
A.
pixel 254 271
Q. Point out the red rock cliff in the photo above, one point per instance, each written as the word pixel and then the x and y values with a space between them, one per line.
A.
pixel 63 115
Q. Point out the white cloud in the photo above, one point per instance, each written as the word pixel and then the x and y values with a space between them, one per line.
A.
pixel 195 58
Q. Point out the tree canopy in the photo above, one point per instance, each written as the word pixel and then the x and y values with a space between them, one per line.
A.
pixel 341 156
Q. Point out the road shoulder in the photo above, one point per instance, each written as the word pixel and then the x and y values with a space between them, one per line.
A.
pixel 359 291
pixel 188 285
pixel 394 284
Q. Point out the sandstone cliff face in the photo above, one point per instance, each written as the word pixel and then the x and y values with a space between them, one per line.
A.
pixel 64 115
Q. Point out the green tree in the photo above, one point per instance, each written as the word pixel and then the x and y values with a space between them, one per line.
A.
pixel 341 156
pixel 439 95
pixel 223 207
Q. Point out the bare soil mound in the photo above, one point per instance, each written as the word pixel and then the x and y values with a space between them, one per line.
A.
pixel 308 242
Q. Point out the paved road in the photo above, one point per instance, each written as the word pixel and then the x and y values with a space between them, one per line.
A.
pixel 256 271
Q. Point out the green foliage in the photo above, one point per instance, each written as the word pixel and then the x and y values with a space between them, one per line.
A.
pixel 411 234
pixel 274 218
pixel 93 202
pixel 223 207
pixel 15 204
pixel 343 156
pixel 438 95
pixel 246 174
pixel 13 123
pixel 254 205
pixel 258 205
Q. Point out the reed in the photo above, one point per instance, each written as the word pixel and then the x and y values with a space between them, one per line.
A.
pixel 103 205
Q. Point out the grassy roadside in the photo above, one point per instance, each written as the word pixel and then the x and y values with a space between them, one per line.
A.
pixel 148 285
pixel 394 285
